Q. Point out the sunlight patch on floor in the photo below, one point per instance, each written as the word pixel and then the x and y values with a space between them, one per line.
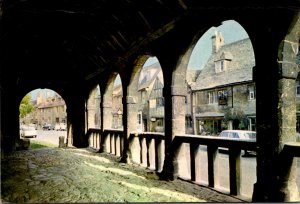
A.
pixel 101 159
pixel 153 190
pixel 114 170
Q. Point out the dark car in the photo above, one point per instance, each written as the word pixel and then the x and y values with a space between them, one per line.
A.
pixel 48 127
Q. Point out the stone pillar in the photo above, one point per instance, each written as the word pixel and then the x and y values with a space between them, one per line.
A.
pixel 76 122
pixel 129 121
pixel 9 113
pixel 276 125
pixel 287 167
pixel 174 124
pixel 106 121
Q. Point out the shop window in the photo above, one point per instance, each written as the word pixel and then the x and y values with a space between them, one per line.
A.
pixel 188 122
pixel 160 102
pixel 212 97
pixel 159 122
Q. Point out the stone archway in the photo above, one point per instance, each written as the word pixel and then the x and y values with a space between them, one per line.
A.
pixel 93 116
pixel 276 56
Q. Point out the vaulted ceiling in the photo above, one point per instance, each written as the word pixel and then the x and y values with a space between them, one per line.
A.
pixel 55 39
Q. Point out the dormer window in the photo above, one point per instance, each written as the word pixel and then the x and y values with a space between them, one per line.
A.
pixel 223 61
pixel 220 66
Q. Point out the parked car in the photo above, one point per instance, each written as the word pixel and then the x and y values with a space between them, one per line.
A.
pixel 60 126
pixel 48 126
pixel 33 125
pixel 239 134
pixel 28 131
pixel 57 127
pixel 63 126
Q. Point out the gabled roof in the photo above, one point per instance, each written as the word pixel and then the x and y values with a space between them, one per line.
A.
pixel 117 90
pixel 145 82
pixel 240 57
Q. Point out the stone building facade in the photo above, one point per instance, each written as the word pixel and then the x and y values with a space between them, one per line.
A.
pixel 50 110
pixel 151 101
pixel 117 107
pixel 224 93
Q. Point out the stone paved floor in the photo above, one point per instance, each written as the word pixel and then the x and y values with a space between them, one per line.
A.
pixel 81 175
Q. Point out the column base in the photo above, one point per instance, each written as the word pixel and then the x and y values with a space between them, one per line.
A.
pixel 273 193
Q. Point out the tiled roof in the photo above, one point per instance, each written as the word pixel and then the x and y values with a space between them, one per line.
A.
pixel 51 104
pixel 144 83
pixel 239 68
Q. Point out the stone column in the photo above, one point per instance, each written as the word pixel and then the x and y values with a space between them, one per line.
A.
pixel 130 123
pixel 106 121
pixel 9 113
pixel 287 122
pixel 276 125
pixel 174 124
pixel 76 120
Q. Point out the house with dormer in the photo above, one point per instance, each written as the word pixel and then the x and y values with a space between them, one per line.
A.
pixel 151 101
pixel 117 107
pixel 151 105
pixel 224 92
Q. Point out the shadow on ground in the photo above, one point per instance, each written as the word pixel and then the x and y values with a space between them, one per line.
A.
pixel 82 175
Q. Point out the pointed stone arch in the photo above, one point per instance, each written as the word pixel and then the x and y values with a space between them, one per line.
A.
pixel 93 115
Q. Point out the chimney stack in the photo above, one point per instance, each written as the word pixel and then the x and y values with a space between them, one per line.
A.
pixel 217 41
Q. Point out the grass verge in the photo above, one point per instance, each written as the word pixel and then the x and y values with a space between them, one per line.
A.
pixel 40 144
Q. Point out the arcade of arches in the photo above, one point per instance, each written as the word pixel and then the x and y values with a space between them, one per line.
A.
pixel 71 47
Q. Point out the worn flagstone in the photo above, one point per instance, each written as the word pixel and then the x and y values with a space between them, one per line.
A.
pixel 82 175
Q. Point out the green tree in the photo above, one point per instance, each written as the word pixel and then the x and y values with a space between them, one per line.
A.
pixel 26 106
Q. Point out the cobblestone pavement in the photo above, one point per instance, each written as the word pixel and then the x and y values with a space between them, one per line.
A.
pixel 82 175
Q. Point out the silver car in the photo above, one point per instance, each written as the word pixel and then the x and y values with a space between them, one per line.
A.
pixel 239 134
